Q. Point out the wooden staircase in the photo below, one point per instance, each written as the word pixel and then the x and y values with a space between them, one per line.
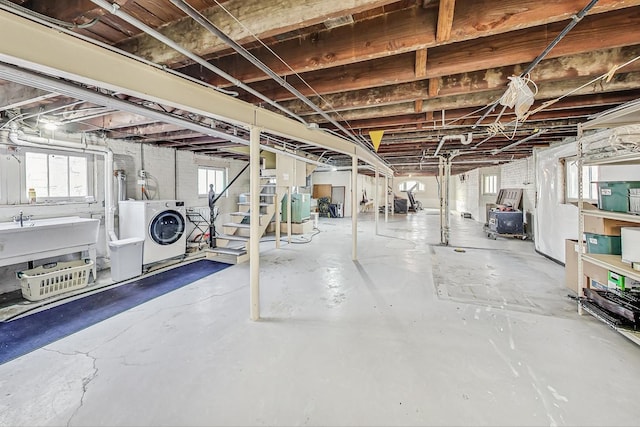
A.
pixel 232 244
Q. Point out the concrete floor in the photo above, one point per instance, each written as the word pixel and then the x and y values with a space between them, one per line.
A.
pixel 411 334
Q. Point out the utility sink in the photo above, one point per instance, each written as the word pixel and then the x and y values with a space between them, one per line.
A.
pixel 42 238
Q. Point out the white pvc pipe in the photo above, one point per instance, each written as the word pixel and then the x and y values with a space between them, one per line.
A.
pixel 354 207
pixel 447 180
pixel 114 9
pixel 288 214
pixel 278 200
pixel 463 141
pixel 254 228
pixel 386 198
pixel 76 147
pixel 375 200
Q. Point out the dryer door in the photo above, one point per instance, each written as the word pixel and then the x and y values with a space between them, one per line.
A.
pixel 167 227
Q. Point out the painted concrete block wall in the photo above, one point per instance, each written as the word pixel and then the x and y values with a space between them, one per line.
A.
pixel 521 174
pixel 465 194
pixel 174 175
pixel 428 197
pixel 187 183
pixel 13 199
pixel 338 179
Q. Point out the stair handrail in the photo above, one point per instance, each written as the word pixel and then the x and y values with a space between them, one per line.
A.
pixel 212 204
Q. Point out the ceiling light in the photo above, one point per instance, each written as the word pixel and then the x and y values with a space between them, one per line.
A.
pixel 50 126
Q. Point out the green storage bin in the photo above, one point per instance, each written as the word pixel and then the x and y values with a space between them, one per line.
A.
pixel 300 208
pixel 613 196
pixel 601 244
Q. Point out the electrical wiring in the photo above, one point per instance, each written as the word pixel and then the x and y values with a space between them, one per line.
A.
pixel 606 76
pixel 302 240
pixel 466 115
pixel 575 19
pixel 279 58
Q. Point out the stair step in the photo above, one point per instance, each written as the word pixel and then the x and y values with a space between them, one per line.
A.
pixel 236 224
pixel 249 203
pixel 259 194
pixel 247 214
pixel 229 251
pixel 232 237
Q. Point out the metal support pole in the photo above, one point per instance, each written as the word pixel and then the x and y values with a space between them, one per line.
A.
pixel 447 181
pixel 254 229
pixel 393 198
pixel 375 200
pixel 288 214
pixel 441 197
pixel 386 198
pixel 354 207
pixel 581 244
pixel 278 200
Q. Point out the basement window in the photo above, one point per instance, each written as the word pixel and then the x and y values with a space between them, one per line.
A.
pixel 589 179
pixel 407 185
pixel 57 177
pixel 489 184
pixel 208 176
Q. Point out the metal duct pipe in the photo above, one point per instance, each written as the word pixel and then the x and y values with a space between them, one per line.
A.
pixel 21 139
pixel 29 78
pixel 115 10
pixel 463 141
pixel 494 152
pixel 209 26
pixel 11 7
pixel 121 179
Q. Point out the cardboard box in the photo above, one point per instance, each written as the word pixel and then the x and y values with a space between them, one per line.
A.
pixel 603 226
pixel 571 264
pixel 590 271
pixel 593 272
pixel 321 190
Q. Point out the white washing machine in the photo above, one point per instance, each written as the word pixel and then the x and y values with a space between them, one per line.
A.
pixel 161 223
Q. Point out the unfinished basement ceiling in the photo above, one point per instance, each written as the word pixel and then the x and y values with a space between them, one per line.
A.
pixel 420 70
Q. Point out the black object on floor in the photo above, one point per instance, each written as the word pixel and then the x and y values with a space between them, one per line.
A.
pixel 23 335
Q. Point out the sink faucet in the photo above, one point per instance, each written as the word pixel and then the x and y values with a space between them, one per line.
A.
pixel 21 218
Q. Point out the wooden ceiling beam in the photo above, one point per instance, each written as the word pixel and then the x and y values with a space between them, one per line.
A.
pixel 149 129
pixel 402 32
pixel 421 64
pixel 602 100
pixel 112 121
pixel 263 17
pixel 445 20
pixel 15 95
pixel 548 90
pixel 585 64
pixel 615 29
pixel 173 136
